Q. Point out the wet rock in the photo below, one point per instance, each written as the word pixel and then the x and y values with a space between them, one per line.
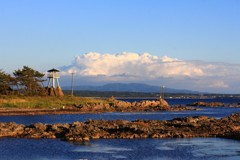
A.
pixel 197 126
pixel 11 129
pixel 40 126
pixel 207 104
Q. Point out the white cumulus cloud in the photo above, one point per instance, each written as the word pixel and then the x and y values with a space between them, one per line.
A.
pixel 132 64
pixel 152 69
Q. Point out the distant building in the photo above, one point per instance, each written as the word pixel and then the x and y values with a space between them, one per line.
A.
pixel 53 87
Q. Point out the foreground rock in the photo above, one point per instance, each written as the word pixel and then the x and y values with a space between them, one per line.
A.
pixel 214 104
pixel 200 126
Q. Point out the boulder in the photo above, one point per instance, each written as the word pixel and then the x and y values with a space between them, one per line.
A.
pixel 11 129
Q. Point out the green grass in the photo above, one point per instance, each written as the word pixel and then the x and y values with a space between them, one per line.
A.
pixel 45 102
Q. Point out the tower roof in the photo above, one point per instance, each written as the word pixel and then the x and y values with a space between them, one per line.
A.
pixel 53 70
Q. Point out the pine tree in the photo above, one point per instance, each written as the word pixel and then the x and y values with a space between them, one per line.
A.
pixel 30 81
pixel 6 81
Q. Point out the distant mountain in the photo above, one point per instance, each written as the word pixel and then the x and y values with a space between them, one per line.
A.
pixel 130 87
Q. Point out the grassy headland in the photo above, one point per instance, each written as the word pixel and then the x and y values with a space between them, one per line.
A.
pixel 44 102
pixel 32 105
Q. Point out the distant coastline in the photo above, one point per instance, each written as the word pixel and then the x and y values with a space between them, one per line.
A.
pixel 147 95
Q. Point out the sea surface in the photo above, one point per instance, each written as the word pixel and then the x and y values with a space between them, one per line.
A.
pixel 123 149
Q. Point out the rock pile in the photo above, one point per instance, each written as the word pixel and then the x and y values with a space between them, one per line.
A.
pixel 115 105
pixel 207 104
pixel 214 104
pixel 199 126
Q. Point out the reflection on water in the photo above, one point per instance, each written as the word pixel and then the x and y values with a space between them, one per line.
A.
pixel 149 149
pixel 213 149
pixel 97 148
pixel 119 149
pixel 206 148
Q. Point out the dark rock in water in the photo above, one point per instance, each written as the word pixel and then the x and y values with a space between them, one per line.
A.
pixel 207 104
pixel 214 104
pixel 11 129
pixel 198 126
pixel 40 126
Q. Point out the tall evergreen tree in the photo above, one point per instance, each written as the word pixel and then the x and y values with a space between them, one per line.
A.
pixel 6 81
pixel 30 81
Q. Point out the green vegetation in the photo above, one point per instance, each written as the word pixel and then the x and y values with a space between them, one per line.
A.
pixel 26 81
pixel 25 89
pixel 45 102
pixel 30 80
pixel 5 82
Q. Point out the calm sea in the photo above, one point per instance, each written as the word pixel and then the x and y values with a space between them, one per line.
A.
pixel 121 149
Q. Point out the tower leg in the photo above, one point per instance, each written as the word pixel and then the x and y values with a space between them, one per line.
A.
pixel 53 84
pixel 52 91
pixel 49 81
pixel 57 83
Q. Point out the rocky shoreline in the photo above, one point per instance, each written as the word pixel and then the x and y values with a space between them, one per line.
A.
pixel 189 127
pixel 113 106
pixel 214 104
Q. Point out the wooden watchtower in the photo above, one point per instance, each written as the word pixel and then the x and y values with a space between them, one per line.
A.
pixel 54 89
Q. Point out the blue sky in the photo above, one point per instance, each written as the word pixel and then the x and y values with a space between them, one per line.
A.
pixel 51 33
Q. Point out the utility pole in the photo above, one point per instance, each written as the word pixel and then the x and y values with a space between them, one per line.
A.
pixel 161 92
pixel 160 95
pixel 72 83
